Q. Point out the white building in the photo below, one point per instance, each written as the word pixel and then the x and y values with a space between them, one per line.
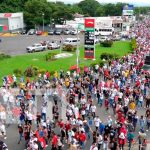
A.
pixel 13 21
pixel 100 22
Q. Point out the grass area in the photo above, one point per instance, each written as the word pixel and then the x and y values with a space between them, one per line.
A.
pixel 38 59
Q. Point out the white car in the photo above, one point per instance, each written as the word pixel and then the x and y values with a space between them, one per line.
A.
pixel 74 32
pixel 36 48
pixel 53 46
pixel 96 40
pixel 103 38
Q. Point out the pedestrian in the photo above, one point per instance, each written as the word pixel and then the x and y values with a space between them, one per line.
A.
pixel 20 128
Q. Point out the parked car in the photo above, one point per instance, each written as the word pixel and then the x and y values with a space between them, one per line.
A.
pixel 71 41
pixel 44 43
pixel 66 31
pixel 96 40
pixel 23 31
pixel 39 32
pixel 74 32
pixel 58 31
pixel 36 48
pixel 116 38
pixel 51 32
pixel 103 38
pixel 53 46
pixel 31 32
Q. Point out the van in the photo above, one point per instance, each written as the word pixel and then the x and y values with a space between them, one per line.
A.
pixel 71 41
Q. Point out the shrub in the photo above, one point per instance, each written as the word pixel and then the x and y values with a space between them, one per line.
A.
pixel 107 43
pixel 41 71
pixel 133 44
pixel 93 64
pixel 30 72
pixel 4 56
pixel 101 63
pixel 52 73
pixel 69 48
pixel 18 72
pixel 35 68
pixel 50 56
pixel 108 56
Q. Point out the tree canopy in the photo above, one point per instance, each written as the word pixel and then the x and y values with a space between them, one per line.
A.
pixel 35 10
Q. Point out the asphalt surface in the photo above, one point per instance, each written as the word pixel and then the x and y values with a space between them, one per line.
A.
pixel 13 136
pixel 16 45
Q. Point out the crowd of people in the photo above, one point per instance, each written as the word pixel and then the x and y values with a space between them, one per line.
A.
pixel 121 89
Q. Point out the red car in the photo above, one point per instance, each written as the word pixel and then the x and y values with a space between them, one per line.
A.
pixel 39 32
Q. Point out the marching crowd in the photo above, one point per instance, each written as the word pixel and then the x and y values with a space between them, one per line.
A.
pixel 121 89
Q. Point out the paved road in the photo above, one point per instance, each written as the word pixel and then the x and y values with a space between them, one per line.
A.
pixel 17 45
pixel 12 131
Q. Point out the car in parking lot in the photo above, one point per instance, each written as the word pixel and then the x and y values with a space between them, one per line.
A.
pixel 23 31
pixel 39 32
pixel 51 32
pixel 116 38
pixel 71 41
pixel 103 38
pixel 31 32
pixel 66 31
pixel 36 48
pixel 58 31
pixel 74 32
pixel 53 45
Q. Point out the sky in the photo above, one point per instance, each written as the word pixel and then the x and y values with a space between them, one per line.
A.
pixel 135 2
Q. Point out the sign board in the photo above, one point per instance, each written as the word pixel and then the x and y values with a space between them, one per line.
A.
pixel 89 23
pixel 128 10
pixel 89 37
pixel 7 15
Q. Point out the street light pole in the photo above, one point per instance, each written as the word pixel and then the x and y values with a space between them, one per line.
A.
pixel 43 21
pixel 77 51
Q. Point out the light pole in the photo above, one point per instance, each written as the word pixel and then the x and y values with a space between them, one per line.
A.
pixel 77 51
pixel 43 21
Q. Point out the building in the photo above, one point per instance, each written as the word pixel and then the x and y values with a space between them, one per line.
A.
pixel 11 21
pixel 100 22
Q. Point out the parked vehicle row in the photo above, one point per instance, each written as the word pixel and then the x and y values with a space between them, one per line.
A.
pixel 50 32
pixel 43 45
pixel 60 31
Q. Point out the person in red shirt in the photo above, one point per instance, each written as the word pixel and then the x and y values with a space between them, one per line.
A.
pixel 61 123
pixel 67 127
pixel 82 139
pixel 54 142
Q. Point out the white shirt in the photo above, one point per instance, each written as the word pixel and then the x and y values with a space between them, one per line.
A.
pixel 43 109
pixel 93 108
pixel 97 121
pixel 93 148
pixel 29 116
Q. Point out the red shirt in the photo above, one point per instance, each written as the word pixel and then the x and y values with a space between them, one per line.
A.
pixel 55 140
pixel 82 137
pixel 61 124
pixel 68 126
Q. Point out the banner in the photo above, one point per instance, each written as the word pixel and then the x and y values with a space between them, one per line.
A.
pixel 89 39
pixel 128 10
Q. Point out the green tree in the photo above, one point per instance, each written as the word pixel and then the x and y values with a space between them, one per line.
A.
pixel 100 11
pixel 89 7
pixel 35 10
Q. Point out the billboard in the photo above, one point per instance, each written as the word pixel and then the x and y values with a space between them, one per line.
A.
pixel 128 10
pixel 89 37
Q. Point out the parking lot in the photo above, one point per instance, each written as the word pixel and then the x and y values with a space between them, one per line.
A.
pixel 16 45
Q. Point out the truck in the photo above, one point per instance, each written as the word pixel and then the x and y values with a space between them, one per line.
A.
pixel 36 48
